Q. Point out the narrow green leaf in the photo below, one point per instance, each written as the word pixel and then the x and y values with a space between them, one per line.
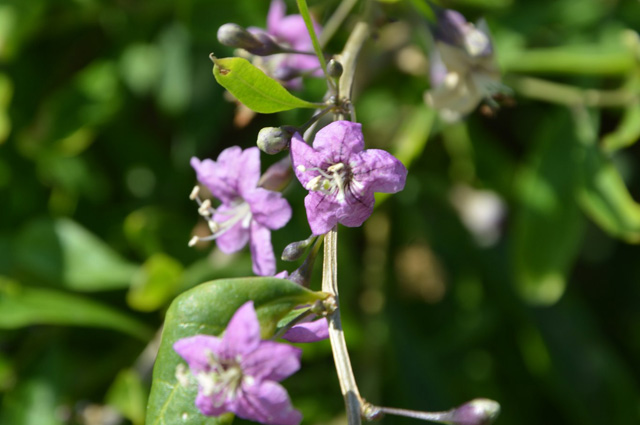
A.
pixel 255 89
pixel 64 253
pixel 22 306
pixel 206 309
pixel 548 224
pixel 605 198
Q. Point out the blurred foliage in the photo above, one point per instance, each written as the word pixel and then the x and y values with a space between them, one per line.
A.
pixel 102 103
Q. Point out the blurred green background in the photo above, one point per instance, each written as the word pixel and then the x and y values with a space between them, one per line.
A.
pixel 506 269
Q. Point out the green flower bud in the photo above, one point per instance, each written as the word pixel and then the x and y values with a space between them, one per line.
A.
pixel 272 140
pixel 334 68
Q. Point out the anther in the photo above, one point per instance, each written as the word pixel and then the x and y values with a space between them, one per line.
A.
pixel 335 167
pixel 314 183
pixel 301 168
pixel 205 207
pixel 194 193
pixel 213 226
pixel 194 240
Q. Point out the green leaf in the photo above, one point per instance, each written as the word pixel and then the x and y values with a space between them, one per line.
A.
pixel 206 309
pixel 22 306
pixel 605 198
pixel 548 224
pixel 255 89
pixel 155 283
pixel 128 395
pixel 64 253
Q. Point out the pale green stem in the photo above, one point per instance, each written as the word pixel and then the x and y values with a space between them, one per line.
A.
pixel 336 20
pixel 304 11
pixel 564 94
pixel 348 59
pixel 348 385
pixel 560 60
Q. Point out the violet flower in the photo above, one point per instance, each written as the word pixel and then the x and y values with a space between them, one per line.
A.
pixel 463 69
pixel 239 372
pixel 248 213
pixel 341 176
pixel 290 32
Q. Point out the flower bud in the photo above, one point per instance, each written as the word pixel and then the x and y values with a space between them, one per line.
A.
pixel 258 42
pixel 334 69
pixel 273 140
pixel 480 411
pixel 296 250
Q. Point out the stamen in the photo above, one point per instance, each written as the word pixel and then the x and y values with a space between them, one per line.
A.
pixel 193 241
pixel 314 183
pixel 301 168
pixel 194 193
pixel 205 208
pixel 213 226
pixel 336 167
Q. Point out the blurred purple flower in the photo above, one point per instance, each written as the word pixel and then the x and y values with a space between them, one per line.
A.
pixel 290 32
pixel 248 213
pixel 239 372
pixel 463 70
pixel 341 176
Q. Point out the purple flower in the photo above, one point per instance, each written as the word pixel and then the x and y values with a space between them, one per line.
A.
pixel 248 213
pixel 290 32
pixel 463 70
pixel 239 372
pixel 341 176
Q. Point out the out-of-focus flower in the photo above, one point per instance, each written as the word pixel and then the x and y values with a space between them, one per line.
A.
pixel 239 372
pixel 463 70
pixel 290 32
pixel 248 213
pixel 481 211
pixel 342 177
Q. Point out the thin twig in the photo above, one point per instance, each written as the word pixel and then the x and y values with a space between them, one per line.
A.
pixel 336 20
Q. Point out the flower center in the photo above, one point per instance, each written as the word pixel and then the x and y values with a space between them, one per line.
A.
pixel 332 181
pixel 223 380
pixel 240 211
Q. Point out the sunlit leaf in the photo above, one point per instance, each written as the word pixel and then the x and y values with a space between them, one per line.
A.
pixel 22 306
pixel 254 88
pixel 64 253
pixel 155 283
pixel 206 309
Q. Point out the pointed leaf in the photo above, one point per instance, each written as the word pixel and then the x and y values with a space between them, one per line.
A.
pixel 255 89
pixel 206 309
pixel 22 306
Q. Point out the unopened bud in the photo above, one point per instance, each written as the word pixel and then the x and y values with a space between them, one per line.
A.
pixel 480 411
pixel 295 250
pixel 273 140
pixel 258 43
pixel 334 68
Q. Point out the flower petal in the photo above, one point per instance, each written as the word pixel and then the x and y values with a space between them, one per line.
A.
pixel 195 349
pixel 269 208
pixel 264 260
pixel 211 405
pixel 338 140
pixel 243 333
pixel 321 212
pixel 378 171
pixel 356 210
pixel 248 170
pixel 304 158
pixel 275 15
pixel 267 402
pixel 233 239
pixel 273 361
pixel 308 332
